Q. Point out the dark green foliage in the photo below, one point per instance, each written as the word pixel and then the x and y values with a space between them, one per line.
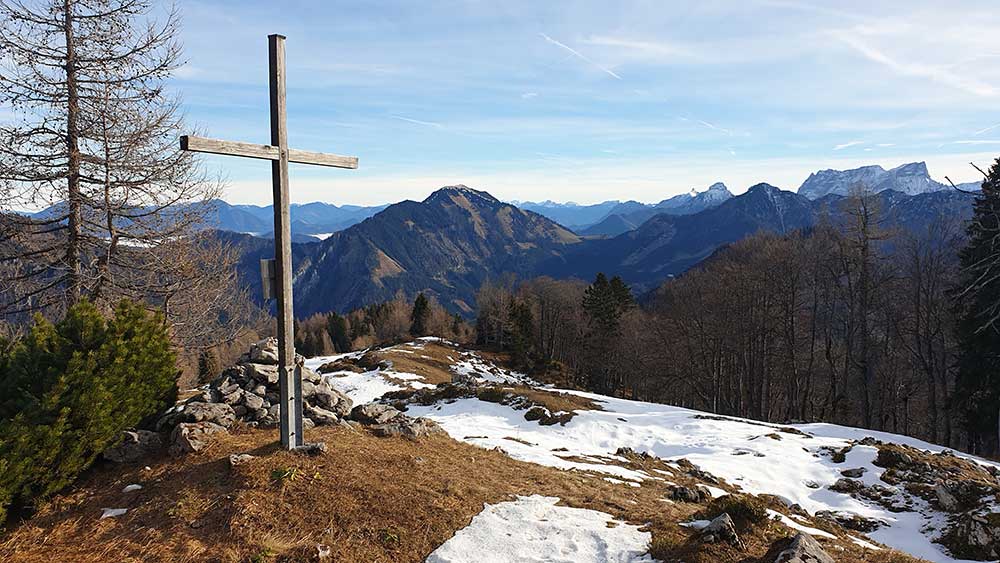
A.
pixel 209 365
pixel 521 331
pixel 978 390
pixel 605 302
pixel 418 317
pixel 336 327
pixel 745 510
pixel 67 391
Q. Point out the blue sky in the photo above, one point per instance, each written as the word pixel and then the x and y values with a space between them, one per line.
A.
pixel 589 101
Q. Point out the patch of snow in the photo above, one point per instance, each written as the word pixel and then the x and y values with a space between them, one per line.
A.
pixel 534 528
pixel 696 524
pixel 785 467
pixel 113 512
pixel 130 488
pixel 321 236
pixel 864 544
pixel 796 526
pixel 361 387
pixel 716 492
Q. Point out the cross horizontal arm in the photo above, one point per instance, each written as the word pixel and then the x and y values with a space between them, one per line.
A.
pixel 265 152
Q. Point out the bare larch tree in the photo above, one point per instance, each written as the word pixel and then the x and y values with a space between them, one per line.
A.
pixel 93 140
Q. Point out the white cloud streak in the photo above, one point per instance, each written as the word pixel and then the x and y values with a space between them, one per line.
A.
pixel 939 74
pixel 418 121
pixel 579 55
pixel 848 144
pixel 988 129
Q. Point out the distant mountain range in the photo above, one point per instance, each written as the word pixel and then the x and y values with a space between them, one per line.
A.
pixel 910 179
pixel 450 243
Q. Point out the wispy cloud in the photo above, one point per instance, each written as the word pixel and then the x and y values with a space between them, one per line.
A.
pixel 883 145
pixel 418 121
pixel 529 95
pixel 706 125
pixel 937 73
pixel 977 142
pixel 659 49
pixel 579 55
pixel 848 144
pixel 981 131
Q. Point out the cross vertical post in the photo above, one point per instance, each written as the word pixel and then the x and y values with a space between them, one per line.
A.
pixel 289 374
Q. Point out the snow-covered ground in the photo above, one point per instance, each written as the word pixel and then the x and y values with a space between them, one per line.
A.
pixel 758 458
pixel 535 529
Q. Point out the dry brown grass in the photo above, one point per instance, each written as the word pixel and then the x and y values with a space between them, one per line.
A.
pixel 370 499
pixel 432 362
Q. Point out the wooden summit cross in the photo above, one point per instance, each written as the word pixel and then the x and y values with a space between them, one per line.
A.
pixel 289 374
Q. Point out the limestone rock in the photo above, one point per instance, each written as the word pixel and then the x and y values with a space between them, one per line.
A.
pixel 263 373
pixel 407 427
pixel 722 529
pixel 804 549
pixel 329 398
pixel 945 499
pixel 854 473
pixel 846 486
pixel 218 413
pixel 253 402
pixel 689 494
pixel 974 536
pixel 321 416
pixel 190 437
pixel 134 445
pixel 373 413
pixel 235 460
pixel 264 351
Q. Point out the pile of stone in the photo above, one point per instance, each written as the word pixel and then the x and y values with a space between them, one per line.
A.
pixel 248 393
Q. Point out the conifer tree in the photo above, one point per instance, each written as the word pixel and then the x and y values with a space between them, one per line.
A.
pixel 979 325
pixel 418 317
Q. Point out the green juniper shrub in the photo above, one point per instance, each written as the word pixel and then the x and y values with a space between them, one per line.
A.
pixel 67 391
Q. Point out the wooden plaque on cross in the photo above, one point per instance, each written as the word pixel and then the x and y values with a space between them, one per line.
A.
pixel 289 373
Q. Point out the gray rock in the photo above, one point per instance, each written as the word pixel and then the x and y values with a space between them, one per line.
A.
pixel 321 416
pixel 235 460
pixel 311 376
pixel 804 549
pixel 333 400
pixel 373 413
pixel 218 413
pixel 190 437
pixel 307 423
pixel 314 448
pixel 253 402
pixel 847 486
pixel 308 389
pixel 234 397
pixel 945 498
pixel 722 529
pixel 134 445
pixel 263 373
pixel 689 494
pixel 854 473
pixel 407 427
pixel 974 536
pixel 264 351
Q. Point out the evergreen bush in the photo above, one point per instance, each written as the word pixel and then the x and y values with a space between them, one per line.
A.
pixel 67 391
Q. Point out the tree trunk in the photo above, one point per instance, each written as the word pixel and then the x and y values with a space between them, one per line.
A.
pixel 73 196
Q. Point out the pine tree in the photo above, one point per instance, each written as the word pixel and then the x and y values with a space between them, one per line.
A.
pixel 979 325
pixel 418 317
pixel 67 392
pixel 336 327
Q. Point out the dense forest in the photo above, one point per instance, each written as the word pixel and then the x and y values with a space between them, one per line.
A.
pixel 850 323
